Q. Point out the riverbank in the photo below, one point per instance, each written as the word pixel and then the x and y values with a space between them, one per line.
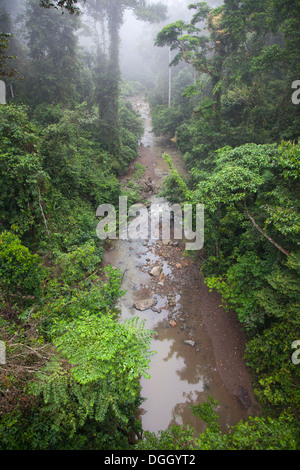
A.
pixel 199 345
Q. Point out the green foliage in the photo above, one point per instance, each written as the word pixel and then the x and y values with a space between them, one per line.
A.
pixel 174 186
pixel 39 431
pixel 133 187
pixel 245 64
pixel 74 161
pixel 251 199
pixel 69 5
pixel 5 69
pixel 47 114
pixel 254 434
pixel 59 159
pixel 269 357
pixel 21 272
pixel 206 412
pixel 78 262
pixel 104 349
pixel 47 32
pixel 105 359
pixel 187 39
pixel 21 172
pixel 255 174
pixel 172 438
pixel 54 172
pixel 265 434
pixel 250 194
pixel 130 120
pixel 243 280
pixel 139 171
pixel 166 120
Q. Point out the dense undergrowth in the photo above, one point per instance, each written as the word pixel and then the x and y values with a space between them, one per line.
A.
pixel 56 299
pixel 71 377
pixel 241 146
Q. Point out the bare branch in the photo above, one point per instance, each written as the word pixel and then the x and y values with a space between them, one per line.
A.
pixel 264 233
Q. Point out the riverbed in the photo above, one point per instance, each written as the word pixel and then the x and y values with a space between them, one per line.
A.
pixel 199 346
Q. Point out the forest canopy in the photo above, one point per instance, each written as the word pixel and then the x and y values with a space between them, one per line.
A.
pixel 222 87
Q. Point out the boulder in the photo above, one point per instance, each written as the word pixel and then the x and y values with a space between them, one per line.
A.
pixel 244 398
pixel 144 304
pixel 155 271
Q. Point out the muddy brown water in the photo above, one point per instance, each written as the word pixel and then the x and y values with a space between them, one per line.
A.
pixel 181 373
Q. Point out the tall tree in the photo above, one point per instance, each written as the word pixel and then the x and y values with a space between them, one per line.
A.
pixel 194 46
pixel 112 11
pixel 8 46
pixel 52 44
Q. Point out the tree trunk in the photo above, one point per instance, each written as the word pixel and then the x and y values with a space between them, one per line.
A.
pixel 170 78
pixel 115 15
pixel 108 82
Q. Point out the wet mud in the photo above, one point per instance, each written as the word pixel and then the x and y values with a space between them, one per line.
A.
pixel 199 346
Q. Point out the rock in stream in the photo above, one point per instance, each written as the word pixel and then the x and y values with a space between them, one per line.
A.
pixel 144 304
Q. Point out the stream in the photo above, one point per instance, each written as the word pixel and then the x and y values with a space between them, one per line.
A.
pixel 199 347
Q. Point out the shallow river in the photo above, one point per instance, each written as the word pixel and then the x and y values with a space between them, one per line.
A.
pixel 181 373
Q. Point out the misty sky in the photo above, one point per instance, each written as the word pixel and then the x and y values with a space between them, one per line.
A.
pixel 139 58
pixel 137 38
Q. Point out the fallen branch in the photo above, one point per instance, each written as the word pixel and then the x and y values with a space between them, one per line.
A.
pixel 262 231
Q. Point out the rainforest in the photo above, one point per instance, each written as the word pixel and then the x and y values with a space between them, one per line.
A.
pixel 140 344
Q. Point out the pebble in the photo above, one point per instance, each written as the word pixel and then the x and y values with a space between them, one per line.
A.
pixel 155 271
pixel 190 342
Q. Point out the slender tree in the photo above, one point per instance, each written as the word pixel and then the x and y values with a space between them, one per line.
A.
pixel 8 46
pixel 109 71
pixel 52 44
pixel 109 77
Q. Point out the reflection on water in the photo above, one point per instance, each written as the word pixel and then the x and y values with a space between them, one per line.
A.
pixel 174 380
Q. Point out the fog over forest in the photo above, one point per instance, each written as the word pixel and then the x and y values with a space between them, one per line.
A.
pixel 138 53
pixel 149 226
pixel 140 60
